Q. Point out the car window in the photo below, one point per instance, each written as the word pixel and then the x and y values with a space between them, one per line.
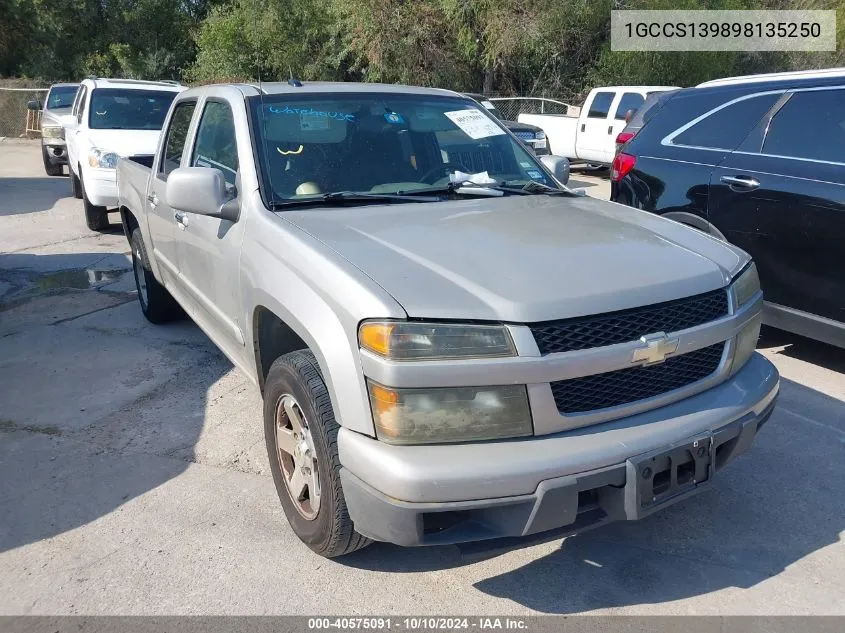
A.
pixel 381 143
pixel 629 101
pixel 177 134
pixel 600 105
pixel 728 127
pixel 61 97
pixel 129 109
pixel 790 134
pixel 216 142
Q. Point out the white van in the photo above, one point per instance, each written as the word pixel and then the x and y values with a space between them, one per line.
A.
pixel 590 137
pixel 112 118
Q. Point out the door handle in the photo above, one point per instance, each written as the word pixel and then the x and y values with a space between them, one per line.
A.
pixel 610 129
pixel 583 125
pixel 181 219
pixel 746 183
pixel 153 200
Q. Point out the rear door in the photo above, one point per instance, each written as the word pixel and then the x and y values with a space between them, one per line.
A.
pixel 792 182
pixel 161 219
pixel 74 129
pixel 593 126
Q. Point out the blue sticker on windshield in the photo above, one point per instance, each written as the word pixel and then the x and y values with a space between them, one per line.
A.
pixel 311 112
pixel 394 117
pixel 536 175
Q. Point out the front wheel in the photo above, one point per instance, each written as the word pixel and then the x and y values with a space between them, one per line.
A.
pixel 96 217
pixel 301 436
pixel 75 185
pixel 156 302
pixel 50 168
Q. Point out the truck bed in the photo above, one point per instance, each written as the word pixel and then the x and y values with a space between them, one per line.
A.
pixel 561 131
pixel 133 174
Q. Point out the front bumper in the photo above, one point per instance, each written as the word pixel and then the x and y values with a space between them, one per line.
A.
pixel 573 481
pixel 101 186
pixel 55 150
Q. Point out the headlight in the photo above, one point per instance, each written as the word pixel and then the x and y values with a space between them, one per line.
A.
pixel 745 286
pixel 461 414
pixel 406 340
pixel 52 131
pixel 101 159
pixel 540 140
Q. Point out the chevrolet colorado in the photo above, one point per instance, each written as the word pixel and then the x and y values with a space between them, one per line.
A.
pixel 450 344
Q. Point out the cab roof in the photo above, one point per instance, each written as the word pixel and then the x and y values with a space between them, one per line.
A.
pixel 133 84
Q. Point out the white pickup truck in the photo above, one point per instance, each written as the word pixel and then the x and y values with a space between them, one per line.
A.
pixel 590 137
pixel 451 345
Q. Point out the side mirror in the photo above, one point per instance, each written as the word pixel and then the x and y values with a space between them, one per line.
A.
pixel 33 105
pixel 201 190
pixel 558 165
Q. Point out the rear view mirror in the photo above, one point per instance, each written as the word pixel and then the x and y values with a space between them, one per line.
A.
pixel 33 104
pixel 201 190
pixel 558 165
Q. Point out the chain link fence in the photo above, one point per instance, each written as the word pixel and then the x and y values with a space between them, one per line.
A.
pixel 15 120
pixel 511 107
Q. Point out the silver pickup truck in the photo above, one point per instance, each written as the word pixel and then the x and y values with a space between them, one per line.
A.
pixel 451 345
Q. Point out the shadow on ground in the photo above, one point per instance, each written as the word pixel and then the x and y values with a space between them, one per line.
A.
pixel 98 408
pixel 30 195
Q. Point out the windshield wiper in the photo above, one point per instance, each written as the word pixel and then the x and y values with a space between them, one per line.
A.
pixel 465 188
pixel 343 197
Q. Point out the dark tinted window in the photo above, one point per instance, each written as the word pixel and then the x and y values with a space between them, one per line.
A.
pixel 61 97
pixel 629 101
pixel 177 133
pixel 600 105
pixel 809 125
pixel 122 109
pixel 216 145
pixel 728 127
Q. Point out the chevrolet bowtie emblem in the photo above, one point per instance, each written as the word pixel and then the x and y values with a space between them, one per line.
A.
pixel 657 347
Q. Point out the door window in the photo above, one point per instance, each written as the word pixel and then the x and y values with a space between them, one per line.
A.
pixel 629 101
pixel 177 134
pixel 80 106
pixel 727 128
pixel 600 105
pixel 809 125
pixel 216 143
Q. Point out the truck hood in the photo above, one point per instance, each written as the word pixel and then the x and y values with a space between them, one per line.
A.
pixel 125 142
pixel 522 258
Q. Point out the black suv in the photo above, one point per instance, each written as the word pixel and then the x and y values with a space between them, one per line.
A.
pixel 759 162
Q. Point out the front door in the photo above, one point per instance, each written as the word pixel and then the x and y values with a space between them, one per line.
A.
pixel 209 248
pixel 161 219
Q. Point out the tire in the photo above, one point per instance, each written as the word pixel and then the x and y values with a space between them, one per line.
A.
pixel 329 531
pixel 75 185
pixel 97 218
pixel 156 302
pixel 52 170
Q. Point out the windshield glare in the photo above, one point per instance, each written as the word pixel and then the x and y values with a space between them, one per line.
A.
pixel 122 109
pixel 61 97
pixel 381 143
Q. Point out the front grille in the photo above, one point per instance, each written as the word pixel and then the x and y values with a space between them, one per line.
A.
pixel 568 335
pixel 624 386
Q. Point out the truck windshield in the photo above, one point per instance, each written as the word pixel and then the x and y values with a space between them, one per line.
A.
pixel 381 143
pixel 61 97
pixel 126 109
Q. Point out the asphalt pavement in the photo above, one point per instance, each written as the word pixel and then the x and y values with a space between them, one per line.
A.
pixel 134 477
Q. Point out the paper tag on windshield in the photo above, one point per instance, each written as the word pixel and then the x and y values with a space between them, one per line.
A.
pixel 474 123
pixel 311 123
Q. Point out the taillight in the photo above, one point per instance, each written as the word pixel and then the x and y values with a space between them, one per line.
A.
pixel 624 137
pixel 622 164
